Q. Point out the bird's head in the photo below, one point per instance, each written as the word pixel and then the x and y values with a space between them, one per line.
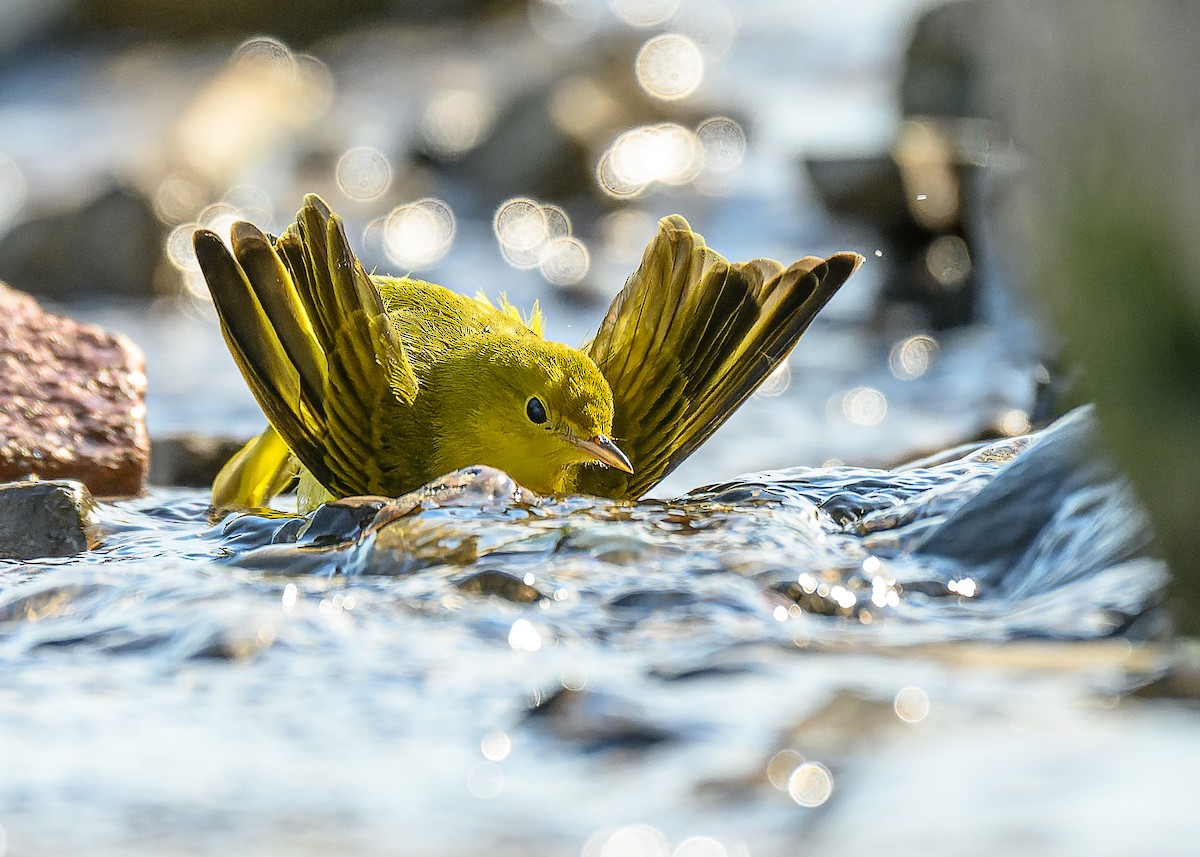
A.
pixel 544 408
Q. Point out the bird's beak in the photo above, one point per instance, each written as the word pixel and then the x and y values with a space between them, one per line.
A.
pixel 605 451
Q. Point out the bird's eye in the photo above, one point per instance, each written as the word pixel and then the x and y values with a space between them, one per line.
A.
pixel 535 410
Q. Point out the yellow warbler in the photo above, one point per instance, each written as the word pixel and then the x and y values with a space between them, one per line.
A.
pixel 376 385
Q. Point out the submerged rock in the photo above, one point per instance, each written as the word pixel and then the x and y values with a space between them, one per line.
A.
pixel 40 519
pixel 72 401
pixel 190 460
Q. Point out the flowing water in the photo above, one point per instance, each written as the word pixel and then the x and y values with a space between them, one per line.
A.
pixel 932 658
pixel 740 670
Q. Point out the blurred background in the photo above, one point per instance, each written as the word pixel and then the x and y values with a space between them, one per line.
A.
pixel 530 148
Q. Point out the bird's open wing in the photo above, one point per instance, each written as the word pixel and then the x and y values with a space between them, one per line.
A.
pixel 687 341
pixel 310 334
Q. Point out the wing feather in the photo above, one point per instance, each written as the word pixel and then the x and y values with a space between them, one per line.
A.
pixel 687 341
pixel 309 332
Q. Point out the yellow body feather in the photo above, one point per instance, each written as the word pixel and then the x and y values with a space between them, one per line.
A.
pixel 376 385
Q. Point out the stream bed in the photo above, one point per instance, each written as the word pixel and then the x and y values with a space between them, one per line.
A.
pixel 933 659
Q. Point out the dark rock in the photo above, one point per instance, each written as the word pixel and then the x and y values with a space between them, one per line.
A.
pixel 943 63
pixel 500 584
pixel 108 247
pixel 40 519
pixel 340 521
pixel 189 460
pixel 71 401
pixel 597 721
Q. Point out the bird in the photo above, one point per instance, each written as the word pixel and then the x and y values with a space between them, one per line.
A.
pixel 377 385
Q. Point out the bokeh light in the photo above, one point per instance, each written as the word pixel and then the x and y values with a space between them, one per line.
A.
pixel 178 197
pixel 262 97
pixel 582 107
pixel 219 217
pixel 966 587
pixel 625 234
pixel 912 357
pixel 290 596
pixel 521 228
pixel 564 22
pixel 666 153
pixel 780 767
pixel 495 746
pixel 363 173
pixel 776 384
pixel 485 780
pixel 179 250
pixel 709 24
pixel 700 846
pixel 636 840
pixel 644 13
pixel 524 636
pixel 266 51
pixel 948 260
pixel 252 203
pixel 911 704
pixel 565 261
pixel 455 121
pixel 722 142
pixel 864 406
pixel 811 784
pixel 1014 422
pixel 419 234
pixel 669 67
pixel 537 235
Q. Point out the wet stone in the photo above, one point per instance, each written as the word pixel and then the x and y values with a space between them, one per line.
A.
pixel 190 460
pixel 500 584
pixel 597 721
pixel 72 401
pixel 43 519
pixel 341 521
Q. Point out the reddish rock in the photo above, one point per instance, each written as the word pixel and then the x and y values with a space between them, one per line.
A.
pixel 72 401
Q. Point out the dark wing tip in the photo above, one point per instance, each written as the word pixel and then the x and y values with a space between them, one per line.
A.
pixel 205 241
pixel 843 264
pixel 314 202
pixel 244 234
